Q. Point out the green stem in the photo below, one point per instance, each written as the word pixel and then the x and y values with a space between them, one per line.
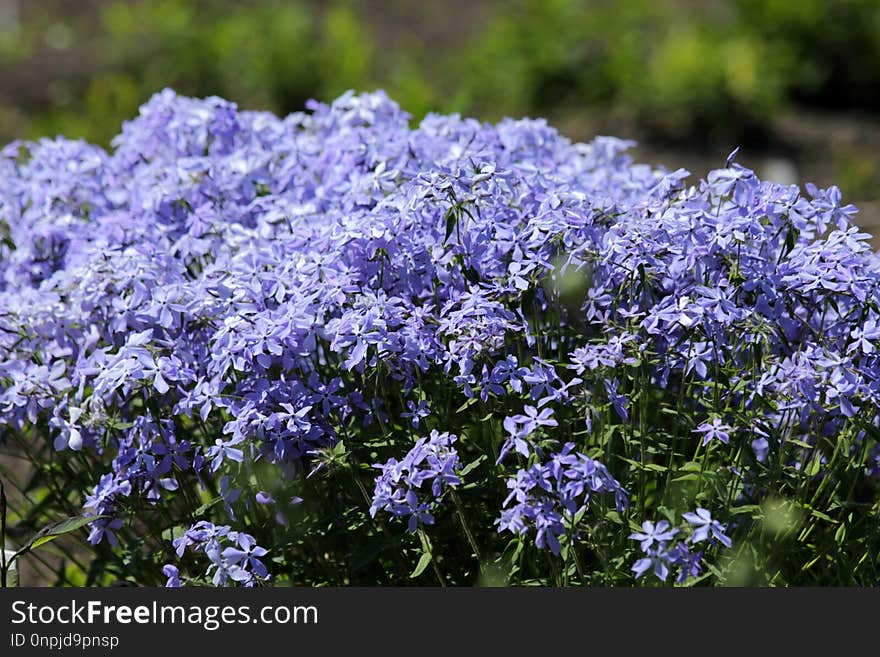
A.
pixel 678 409
pixel 553 568
pixel 577 563
pixel 2 536
pixel 437 572
pixel 467 530
pixel 426 546
pixel 353 465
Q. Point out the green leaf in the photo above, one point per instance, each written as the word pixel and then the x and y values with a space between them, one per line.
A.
pixel 812 562
pixel 815 465
pixel 472 465
pixel 821 516
pixel 427 548
pixel 714 571
pixel 471 274
pixel 746 508
pixel 172 533
pixel 653 467
pixel 420 567
pixel 451 219
pixel 691 581
pixel 54 531
pixel 790 239
pixel 207 505
pixel 469 402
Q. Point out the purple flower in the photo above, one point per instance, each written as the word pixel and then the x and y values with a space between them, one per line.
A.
pixel 398 488
pixel 660 558
pixel 244 557
pixel 416 412
pixel 618 401
pixel 223 450
pixel 714 430
pixel 865 337
pixel 173 575
pixel 873 469
pixel 519 427
pixel 705 528
pixel 654 536
pixel 690 563
pixel 761 447
pixel 547 497
pixel 657 561
pixel 262 497
pixel 233 556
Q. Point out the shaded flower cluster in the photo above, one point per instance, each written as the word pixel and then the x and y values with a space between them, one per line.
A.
pixel 234 556
pixel 661 557
pixel 551 498
pixel 398 491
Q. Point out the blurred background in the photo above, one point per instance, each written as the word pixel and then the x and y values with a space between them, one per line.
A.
pixel 795 83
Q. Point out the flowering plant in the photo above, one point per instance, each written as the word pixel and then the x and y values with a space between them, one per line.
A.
pixel 250 346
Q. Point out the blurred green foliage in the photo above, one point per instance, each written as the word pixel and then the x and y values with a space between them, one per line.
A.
pixel 270 55
pixel 676 68
pixel 831 48
pixel 719 69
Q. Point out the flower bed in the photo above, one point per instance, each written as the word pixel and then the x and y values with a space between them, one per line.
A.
pixel 335 348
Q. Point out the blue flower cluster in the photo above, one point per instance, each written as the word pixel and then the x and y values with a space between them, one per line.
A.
pixel 239 561
pixel 551 498
pixel 660 557
pixel 432 459
pixel 228 288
